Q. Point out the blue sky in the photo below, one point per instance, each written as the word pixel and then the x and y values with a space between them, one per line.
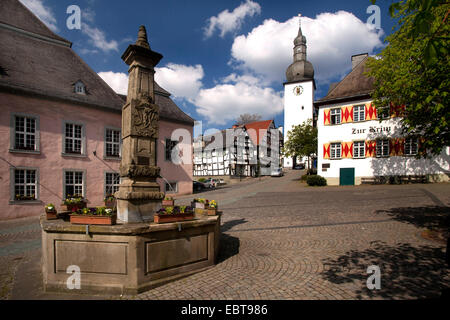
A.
pixel 221 58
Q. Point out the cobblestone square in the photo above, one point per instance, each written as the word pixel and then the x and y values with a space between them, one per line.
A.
pixel 284 240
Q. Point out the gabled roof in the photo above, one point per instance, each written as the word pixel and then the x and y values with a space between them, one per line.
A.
pixel 37 61
pixel 14 13
pixel 257 130
pixel 354 85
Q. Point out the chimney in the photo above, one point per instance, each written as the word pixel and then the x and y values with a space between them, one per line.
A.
pixel 357 58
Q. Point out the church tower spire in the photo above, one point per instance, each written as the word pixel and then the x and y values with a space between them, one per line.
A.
pixel 300 69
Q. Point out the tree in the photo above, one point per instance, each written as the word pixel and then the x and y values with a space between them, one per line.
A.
pixel 412 71
pixel 301 141
pixel 247 118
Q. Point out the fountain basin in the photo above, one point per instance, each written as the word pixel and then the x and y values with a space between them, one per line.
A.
pixel 126 258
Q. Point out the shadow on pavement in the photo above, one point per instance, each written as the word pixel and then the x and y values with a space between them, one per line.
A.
pixel 430 217
pixel 229 245
pixel 406 272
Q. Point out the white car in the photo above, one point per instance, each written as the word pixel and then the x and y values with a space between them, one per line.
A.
pixel 277 172
pixel 213 182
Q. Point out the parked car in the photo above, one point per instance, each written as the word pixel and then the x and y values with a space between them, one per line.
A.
pixel 278 172
pixel 299 166
pixel 211 182
pixel 198 186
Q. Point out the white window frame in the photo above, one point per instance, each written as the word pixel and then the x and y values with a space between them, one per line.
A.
pixel 111 186
pixel 82 139
pixel 80 88
pixel 409 144
pixel 359 113
pixel 337 112
pixel 359 152
pixel 334 148
pixel 113 143
pixel 385 145
pixel 169 190
pixel 13 133
pixel 13 185
pixel 82 184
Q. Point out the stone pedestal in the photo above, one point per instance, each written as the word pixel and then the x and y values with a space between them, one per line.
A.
pixel 139 195
pixel 126 258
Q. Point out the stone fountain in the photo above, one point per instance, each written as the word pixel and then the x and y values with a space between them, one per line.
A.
pixel 136 254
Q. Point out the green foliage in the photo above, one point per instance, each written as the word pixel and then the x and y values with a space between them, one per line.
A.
pixel 413 71
pixel 316 180
pixel 202 180
pixel 169 210
pixel 50 207
pixel 301 141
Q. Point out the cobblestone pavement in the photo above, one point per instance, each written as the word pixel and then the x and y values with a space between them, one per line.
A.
pixel 283 240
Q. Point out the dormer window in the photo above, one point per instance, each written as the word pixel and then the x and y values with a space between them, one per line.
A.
pixel 80 88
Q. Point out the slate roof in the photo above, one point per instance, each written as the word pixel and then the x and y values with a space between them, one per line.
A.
pixel 354 85
pixel 37 61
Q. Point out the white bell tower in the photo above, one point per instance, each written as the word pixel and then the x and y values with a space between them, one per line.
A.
pixel 298 90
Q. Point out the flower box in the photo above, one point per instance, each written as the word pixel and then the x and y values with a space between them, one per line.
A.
pixel 165 218
pixel 198 205
pixel 211 211
pixel 51 214
pixel 93 219
pixel 170 203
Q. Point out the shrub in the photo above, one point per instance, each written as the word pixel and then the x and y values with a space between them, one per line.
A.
pixel 202 180
pixel 316 180
pixel 304 178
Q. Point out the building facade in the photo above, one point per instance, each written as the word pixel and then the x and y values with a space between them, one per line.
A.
pixel 248 150
pixel 357 144
pixel 61 123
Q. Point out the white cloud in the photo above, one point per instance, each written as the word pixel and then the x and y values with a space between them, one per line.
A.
pixel 227 21
pixel 118 81
pixel 225 102
pixel 180 80
pixel 44 13
pixel 332 38
pixel 97 38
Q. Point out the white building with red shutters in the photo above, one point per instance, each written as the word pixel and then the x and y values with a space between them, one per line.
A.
pixel 354 146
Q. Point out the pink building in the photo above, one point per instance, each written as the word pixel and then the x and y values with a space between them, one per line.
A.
pixel 60 125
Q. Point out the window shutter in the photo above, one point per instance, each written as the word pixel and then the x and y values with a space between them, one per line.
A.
pixel 347 114
pixel 347 150
pixel 326 151
pixel 326 117
pixel 370 149
pixel 371 111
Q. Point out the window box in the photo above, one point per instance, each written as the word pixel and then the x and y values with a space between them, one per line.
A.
pixel 93 219
pixel 177 217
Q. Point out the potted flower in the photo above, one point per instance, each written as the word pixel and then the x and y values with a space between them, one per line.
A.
pixel 110 201
pixel 75 203
pixel 173 214
pixel 98 216
pixel 168 201
pixel 212 209
pixel 50 211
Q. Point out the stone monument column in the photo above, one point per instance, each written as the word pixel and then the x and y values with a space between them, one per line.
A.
pixel 139 193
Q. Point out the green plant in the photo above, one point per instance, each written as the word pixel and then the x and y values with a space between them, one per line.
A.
pixel 110 197
pixel 182 209
pixel 213 204
pixel 316 180
pixel 169 210
pixel 202 180
pixel 75 199
pixel 85 211
pixel 50 207
pixel 168 198
pixel 101 211
pixel 304 177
